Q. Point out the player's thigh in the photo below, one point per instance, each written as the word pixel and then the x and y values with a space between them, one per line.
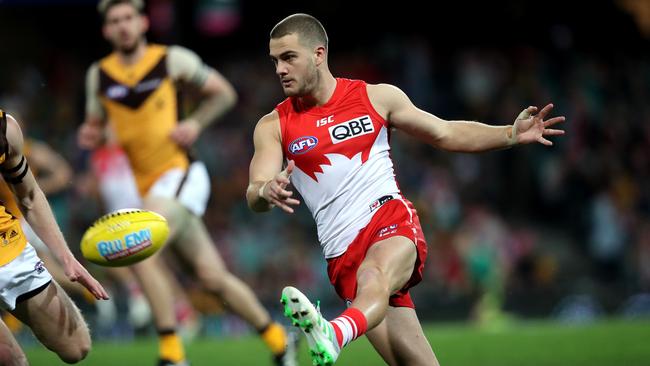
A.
pixel 406 339
pixel 198 250
pixel 178 194
pixel 10 352
pixel 56 322
pixel 175 214
pixel 394 257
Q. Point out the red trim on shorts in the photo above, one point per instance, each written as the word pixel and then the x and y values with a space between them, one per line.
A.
pixel 396 217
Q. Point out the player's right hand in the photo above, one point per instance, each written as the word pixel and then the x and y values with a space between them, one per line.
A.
pixel 275 193
pixel 90 135
pixel 77 273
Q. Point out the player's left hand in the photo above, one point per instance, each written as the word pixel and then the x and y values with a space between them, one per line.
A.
pixel 77 273
pixel 530 127
pixel 186 133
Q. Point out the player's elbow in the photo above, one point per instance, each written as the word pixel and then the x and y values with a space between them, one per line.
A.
pixel 27 200
pixel 229 97
pixel 449 137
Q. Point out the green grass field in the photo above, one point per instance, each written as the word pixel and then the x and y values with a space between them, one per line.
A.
pixel 612 342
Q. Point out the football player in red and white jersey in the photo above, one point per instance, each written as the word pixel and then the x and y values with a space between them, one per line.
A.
pixel 333 133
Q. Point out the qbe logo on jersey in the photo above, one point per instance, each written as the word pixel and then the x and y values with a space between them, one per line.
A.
pixel 350 129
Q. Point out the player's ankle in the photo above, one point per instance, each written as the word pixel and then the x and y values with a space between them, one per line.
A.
pixel 348 326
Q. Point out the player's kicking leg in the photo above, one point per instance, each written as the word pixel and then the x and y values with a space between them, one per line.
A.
pixel 321 338
pixel 387 267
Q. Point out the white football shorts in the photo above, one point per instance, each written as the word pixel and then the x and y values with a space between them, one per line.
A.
pixel 22 275
pixel 191 188
pixel 117 185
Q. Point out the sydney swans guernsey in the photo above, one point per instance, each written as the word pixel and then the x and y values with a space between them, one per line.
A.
pixel 342 159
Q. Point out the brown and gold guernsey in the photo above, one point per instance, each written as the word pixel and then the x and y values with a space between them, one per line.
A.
pixel 12 239
pixel 141 104
pixel 6 195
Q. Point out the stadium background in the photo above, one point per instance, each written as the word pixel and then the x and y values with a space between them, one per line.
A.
pixel 559 233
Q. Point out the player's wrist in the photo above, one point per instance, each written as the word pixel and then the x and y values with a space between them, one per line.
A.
pixel 511 134
pixel 195 122
pixel 260 191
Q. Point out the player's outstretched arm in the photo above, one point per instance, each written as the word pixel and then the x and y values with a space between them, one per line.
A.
pixel 54 173
pixel 218 95
pixel 267 181
pixel 461 136
pixel 92 132
pixel 38 214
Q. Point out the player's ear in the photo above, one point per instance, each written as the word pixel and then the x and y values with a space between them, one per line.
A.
pixel 320 53
pixel 105 32
pixel 144 24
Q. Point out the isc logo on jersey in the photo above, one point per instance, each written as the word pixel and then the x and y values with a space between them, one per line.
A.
pixel 302 144
pixel 350 129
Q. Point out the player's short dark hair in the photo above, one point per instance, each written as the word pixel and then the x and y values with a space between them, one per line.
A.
pixel 104 5
pixel 309 30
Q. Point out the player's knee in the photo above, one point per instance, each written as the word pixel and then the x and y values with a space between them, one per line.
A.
pixel 76 350
pixel 374 277
pixel 213 280
pixel 74 354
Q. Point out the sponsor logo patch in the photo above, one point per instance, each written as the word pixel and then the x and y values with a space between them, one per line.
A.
pixel 39 267
pixel 378 203
pixel 350 129
pixel 392 229
pixel 130 244
pixel 302 144
pixel 147 85
pixel 117 91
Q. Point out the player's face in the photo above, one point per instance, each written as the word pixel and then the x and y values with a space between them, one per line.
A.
pixel 124 27
pixel 294 64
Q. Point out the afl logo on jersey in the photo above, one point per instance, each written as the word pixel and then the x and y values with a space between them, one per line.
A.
pixel 302 144
pixel 117 91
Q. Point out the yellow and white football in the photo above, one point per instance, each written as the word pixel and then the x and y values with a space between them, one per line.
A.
pixel 124 237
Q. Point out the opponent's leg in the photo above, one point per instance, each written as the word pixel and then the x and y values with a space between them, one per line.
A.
pixel 153 282
pixel 196 247
pixel 155 285
pixel 55 321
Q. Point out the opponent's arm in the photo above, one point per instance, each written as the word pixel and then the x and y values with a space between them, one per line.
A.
pixel 92 132
pixel 267 180
pixel 462 136
pixel 53 171
pixel 37 212
pixel 217 94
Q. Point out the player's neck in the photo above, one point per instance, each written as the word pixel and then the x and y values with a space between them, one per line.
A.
pixel 322 93
pixel 131 58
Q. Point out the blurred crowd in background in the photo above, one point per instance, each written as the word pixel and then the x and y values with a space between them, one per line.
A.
pixel 522 233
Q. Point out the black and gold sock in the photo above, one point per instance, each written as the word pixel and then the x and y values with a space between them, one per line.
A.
pixel 275 338
pixel 170 346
